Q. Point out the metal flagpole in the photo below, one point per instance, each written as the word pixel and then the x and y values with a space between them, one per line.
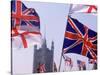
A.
pixel 60 61
pixel 62 49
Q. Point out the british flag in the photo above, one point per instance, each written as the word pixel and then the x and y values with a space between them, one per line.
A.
pixel 83 8
pixel 92 61
pixel 41 68
pixel 25 24
pixel 81 64
pixel 68 61
pixel 80 39
pixel 21 15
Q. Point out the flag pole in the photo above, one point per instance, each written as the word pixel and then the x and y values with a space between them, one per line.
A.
pixel 62 49
pixel 60 61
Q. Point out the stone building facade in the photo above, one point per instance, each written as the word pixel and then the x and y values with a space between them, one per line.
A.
pixel 45 56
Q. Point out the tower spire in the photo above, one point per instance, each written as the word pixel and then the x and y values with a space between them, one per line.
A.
pixel 52 45
pixel 44 39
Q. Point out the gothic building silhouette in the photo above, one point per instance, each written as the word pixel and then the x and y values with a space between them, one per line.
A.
pixel 45 56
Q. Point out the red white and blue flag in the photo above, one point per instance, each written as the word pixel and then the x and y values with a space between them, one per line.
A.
pixel 25 25
pixel 83 8
pixel 23 16
pixel 42 68
pixel 68 61
pixel 92 61
pixel 80 39
pixel 81 65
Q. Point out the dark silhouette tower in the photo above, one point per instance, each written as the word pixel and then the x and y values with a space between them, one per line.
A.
pixel 44 56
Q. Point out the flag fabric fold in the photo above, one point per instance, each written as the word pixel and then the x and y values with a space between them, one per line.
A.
pixel 25 26
pixel 79 8
pixel 80 39
pixel 23 16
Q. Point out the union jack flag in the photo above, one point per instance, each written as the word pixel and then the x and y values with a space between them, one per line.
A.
pixel 80 39
pixel 92 61
pixel 41 68
pixel 25 24
pixel 24 39
pixel 21 15
pixel 81 65
pixel 83 8
pixel 68 61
